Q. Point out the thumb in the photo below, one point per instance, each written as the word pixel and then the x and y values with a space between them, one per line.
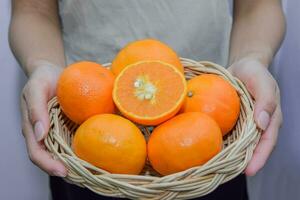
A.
pixel 261 85
pixel 36 98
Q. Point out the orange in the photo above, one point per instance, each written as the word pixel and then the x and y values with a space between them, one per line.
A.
pixel 185 141
pixel 149 92
pixel 85 89
pixel 147 49
pixel 112 143
pixel 214 96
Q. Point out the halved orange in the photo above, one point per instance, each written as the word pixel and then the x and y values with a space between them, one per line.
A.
pixel 149 92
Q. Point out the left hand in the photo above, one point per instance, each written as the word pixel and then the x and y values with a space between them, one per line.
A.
pixel 267 111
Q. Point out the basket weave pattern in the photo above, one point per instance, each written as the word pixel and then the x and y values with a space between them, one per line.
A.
pixel 195 182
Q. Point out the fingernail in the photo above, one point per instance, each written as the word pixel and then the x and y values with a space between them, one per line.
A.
pixel 38 130
pixel 60 174
pixel 263 120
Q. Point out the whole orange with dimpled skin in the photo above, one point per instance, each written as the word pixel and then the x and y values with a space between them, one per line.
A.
pixel 85 89
pixel 112 143
pixel 146 49
pixel 213 95
pixel 185 141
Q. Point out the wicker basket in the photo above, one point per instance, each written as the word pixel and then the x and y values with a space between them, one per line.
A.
pixel 195 182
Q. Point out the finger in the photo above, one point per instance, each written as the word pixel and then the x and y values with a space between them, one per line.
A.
pixel 36 97
pixel 37 154
pixel 265 145
pixel 264 89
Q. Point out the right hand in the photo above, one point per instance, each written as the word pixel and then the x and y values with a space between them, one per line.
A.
pixel 39 89
pixel 267 110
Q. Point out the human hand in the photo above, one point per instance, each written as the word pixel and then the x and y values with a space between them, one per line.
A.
pixel 40 88
pixel 267 111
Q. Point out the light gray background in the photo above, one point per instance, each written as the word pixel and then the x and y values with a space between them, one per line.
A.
pixel 19 178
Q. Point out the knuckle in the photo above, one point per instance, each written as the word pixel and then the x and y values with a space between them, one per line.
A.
pixel 274 141
pixel 270 104
pixel 32 114
pixel 23 130
pixel 51 170
pixel 280 118
pixel 22 102
pixel 277 92
pixel 274 87
pixel 31 110
pixel 25 91
pixel 32 157
pixel 273 145
pixel 273 82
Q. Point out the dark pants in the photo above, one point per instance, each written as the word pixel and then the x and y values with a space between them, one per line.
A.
pixel 60 190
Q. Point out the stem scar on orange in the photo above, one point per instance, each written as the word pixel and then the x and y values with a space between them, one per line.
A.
pixel 85 89
pixel 147 49
pixel 112 143
pixel 185 141
pixel 213 95
pixel 149 92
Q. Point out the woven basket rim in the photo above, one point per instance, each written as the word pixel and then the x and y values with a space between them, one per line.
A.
pixel 191 183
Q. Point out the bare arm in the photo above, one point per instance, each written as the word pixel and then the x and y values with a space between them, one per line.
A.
pixel 35 33
pixel 258 30
pixel 35 39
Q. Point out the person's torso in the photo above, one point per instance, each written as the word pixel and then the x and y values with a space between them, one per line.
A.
pixel 97 29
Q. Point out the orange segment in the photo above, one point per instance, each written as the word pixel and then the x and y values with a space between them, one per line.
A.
pixel 149 92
